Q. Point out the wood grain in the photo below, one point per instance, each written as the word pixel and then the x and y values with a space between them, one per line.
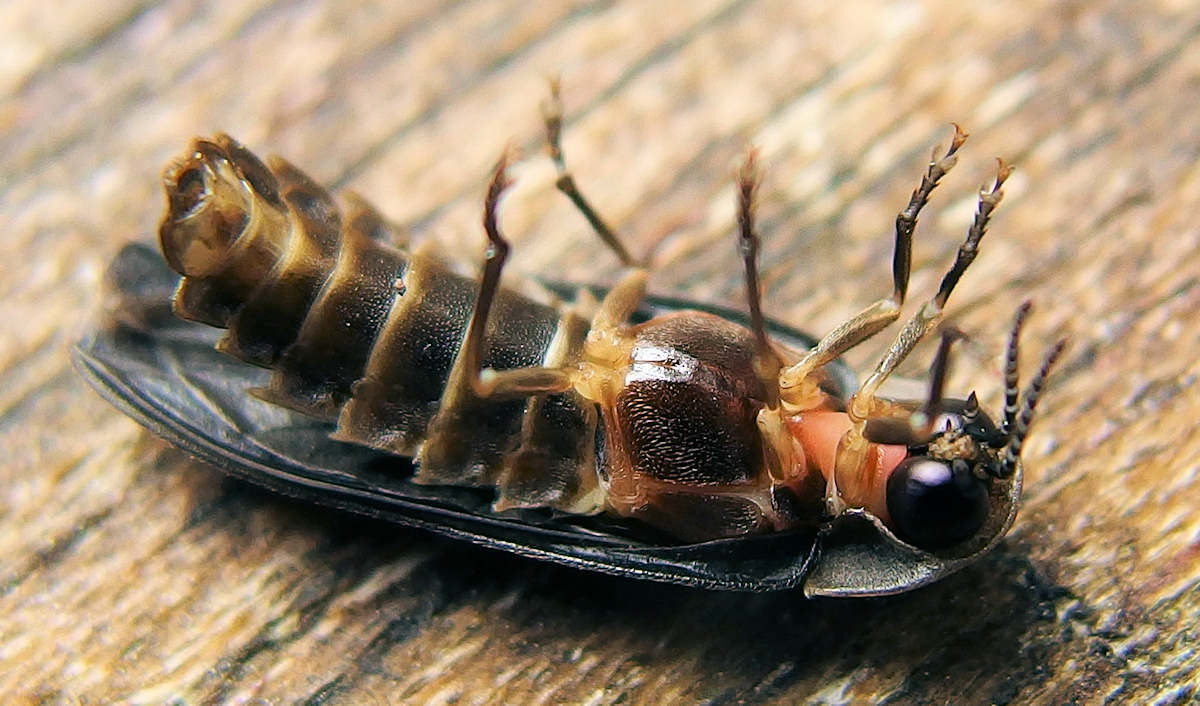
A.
pixel 131 573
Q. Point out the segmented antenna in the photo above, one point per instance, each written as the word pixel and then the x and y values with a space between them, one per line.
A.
pixel 1012 453
pixel 1011 379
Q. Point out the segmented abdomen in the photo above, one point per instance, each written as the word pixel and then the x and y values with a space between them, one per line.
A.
pixel 366 334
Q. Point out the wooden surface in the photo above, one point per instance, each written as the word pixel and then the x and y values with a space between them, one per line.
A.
pixel 131 573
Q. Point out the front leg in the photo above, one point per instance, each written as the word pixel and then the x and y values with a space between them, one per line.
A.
pixel 798 387
pixel 853 451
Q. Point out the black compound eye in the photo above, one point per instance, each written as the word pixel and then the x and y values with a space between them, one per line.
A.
pixel 934 503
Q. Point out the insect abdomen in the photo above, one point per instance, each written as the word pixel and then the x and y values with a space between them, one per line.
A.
pixel 362 333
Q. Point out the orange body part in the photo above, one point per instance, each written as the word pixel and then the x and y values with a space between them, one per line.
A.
pixel 820 431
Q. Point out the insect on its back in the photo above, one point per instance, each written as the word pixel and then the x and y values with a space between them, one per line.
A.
pixel 677 444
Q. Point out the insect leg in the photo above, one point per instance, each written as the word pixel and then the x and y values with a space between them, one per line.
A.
pixel 795 383
pixel 852 457
pixel 766 361
pixel 931 312
pixel 916 427
pixel 939 371
pixel 779 453
pixel 476 418
pixel 627 295
pixel 519 382
pixel 552 111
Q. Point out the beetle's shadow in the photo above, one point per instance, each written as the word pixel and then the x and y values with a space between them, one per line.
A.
pixel 978 621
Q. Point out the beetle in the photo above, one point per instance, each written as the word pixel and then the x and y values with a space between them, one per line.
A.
pixel 599 428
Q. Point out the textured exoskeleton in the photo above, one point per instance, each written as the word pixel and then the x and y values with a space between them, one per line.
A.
pixel 704 429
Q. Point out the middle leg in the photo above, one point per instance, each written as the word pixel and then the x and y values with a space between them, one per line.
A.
pixel 766 361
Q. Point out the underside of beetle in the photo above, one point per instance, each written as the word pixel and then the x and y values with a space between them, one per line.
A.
pixel 696 427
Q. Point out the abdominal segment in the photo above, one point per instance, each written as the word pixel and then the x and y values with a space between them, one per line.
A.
pixel 367 335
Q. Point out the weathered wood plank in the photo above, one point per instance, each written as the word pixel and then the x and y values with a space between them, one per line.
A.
pixel 131 573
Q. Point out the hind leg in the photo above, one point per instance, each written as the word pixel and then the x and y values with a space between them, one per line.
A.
pixel 552 118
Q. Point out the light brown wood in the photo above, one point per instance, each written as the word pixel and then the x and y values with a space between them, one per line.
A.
pixel 131 573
